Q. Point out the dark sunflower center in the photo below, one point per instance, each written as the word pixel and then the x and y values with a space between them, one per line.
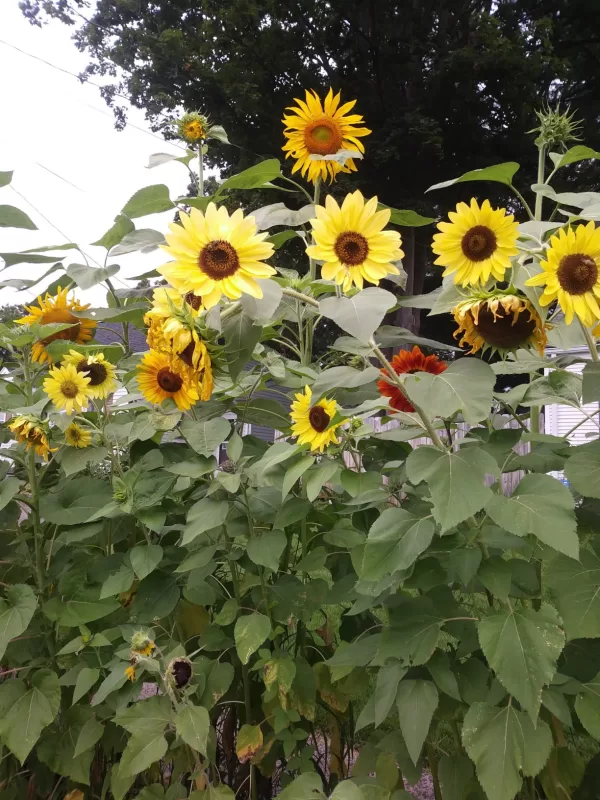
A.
pixel 75 434
pixel 193 300
pixel 168 381
pixel 577 273
pixel 182 673
pixel 187 355
pixel 318 418
pixel 34 436
pixel 351 248
pixel 218 260
pixel 96 372
pixel 503 330
pixel 69 389
pixel 322 137
pixel 61 315
pixel 478 243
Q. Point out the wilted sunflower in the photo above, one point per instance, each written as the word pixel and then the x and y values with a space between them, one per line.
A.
pixel 33 433
pixel 67 388
pixel 76 436
pixel 499 321
pixel 100 372
pixel 216 254
pixel 407 362
pixel 316 128
pixel 570 273
pixel 159 380
pixel 180 671
pixel 352 243
pixel 312 424
pixel 54 309
pixel 477 243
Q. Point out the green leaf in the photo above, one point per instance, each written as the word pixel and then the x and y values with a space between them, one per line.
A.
pixel 306 787
pixel 386 689
pixel 294 473
pixel 113 681
pixel 151 715
pixel 344 378
pixel 499 173
pixel 249 633
pixel 248 743
pixel 262 309
pixel 496 575
pixel 16 611
pixel 156 597
pixel 455 481
pixel 75 501
pixel 192 724
pixel 318 477
pixel 86 277
pixel 25 257
pixel 149 200
pixel 591 382
pixel 8 489
pixel 266 412
pixel 12 217
pixel 73 460
pixel 145 558
pixel 417 701
pixel 583 469
pixel 360 315
pixel 413 633
pixel 117 582
pixel 439 669
pixel 86 678
pixel 348 790
pixel 144 240
pixel 5 178
pixel 205 436
pixel 406 218
pixel 573 586
pixel 203 516
pixel 89 736
pixel 241 337
pixel 266 549
pixel 455 774
pixel 522 647
pixel 84 607
pixel 119 786
pixel 587 707
pixel 578 153
pixel 542 506
pixel 57 747
pixel 122 226
pixel 142 750
pixel 395 541
pixel 253 177
pixel 24 713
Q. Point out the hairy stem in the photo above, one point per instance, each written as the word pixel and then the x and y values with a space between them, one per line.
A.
pixel 539 199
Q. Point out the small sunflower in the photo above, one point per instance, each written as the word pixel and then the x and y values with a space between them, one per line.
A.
pixel 100 372
pixel 216 254
pixel 499 321
pixel 193 127
pixel 407 362
pixel 570 273
pixel 317 128
pixel 158 381
pixel 33 433
pixel 67 388
pixel 142 644
pixel 477 243
pixel 55 309
pixel 312 424
pixel 352 243
pixel 130 672
pixel 76 436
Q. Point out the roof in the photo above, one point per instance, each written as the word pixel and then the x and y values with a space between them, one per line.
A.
pixel 112 333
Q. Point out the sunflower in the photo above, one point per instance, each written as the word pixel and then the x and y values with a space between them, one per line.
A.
pixel 100 372
pixel 142 644
pixel 477 243
pixel 53 309
pixel 33 433
pixel 570 273
pixel 216 255
pixel 352 243
pixel 130 672
pixel 321 129
pixel 67 388
pixel 193 127
pixel 407 362
pixel 312 424
pixel 76 436
pixel 159 380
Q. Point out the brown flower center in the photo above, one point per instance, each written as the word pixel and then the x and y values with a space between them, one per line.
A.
pixel 96 372
pixel 168 381
pixel 35 436
pixel 193 300
pixel 323 137
pixel 69 389
pixel 61 315
pixel 478 243
pixel 75 434
pixel 218 260
pixel 577 273
pixel 504 330
pixel 318 418
pixel 351 248
pixel 187 355
pixel 181 670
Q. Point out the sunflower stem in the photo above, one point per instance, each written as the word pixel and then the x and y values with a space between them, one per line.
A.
pixel 589 340
pixel 539 199
pixel 33 488
pixel 200 168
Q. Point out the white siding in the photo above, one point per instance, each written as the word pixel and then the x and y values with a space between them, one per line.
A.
pixel 562 419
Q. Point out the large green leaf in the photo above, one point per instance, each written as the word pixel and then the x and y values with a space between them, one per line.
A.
pixel 587 706
pixel 149 200
pixel 75 501
pixel 144 240
pixel 58 745
pixel 591 382
pixel 122 226
pixel 145 558
pixel 250 632
pixel 413 633
pixel 499 173
pixel 253 177
pixel 395 541
pixel 24 713
pixel 192 724
pixel 406 218
pixel 203 516
pixel 5 178
pixel 578 153
pixel 15 612
pixel 156 597
pixel 86 678
pixel 73 460
pixel 575 589
pixel 143 750
pixel 386 689
pixel 205 436
pixel 540 505
pixel 13 217
pixel 522 646
pixel 83 607
pixel 151 715
pixel 455 774
pixel 360 315
pixel 417 701
pixel 241 337
pixel 85 277
pixel 266 548
pixel 583 469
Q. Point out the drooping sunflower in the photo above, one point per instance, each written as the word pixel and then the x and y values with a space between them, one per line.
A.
pixel 67 388
pixel 100 372
pixel 76 436
pixel 322 128
pixel 33 433
pixel 216 254
pixel 58 308
pixel 352 243
pixel 407 362
pixel 499 321
pixel 158 381
pixel 570 273
pixel 476 244
pixel 312 424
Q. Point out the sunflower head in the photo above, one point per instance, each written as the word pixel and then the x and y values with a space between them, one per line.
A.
pixel 312 424
pixel 352 242
pixel 142 644
pixel 58 308
pixel 76 436
pixel 33 433
pixel 179 672
pixel 556 127
pixel 193 127
pixel 159 379
pixel 407 362
pixel 477 244
pixel 100 372
pixel 320 128
pixel 67 388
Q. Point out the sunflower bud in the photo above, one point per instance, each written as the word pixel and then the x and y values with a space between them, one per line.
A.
pixel 193 127
pixel 142 644
pixel 179 672
pixel 556 127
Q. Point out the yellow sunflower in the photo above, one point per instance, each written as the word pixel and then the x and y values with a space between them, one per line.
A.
pixel 477 243
pixel 130 672
pixel 67 388
pixel 500 321
pixel 352 243
pixel 193 127
pixel 58 309
pixel 100 372
pixel 216 254
pixel 158 380
pixel 316 128
pixel 570 273
pixel 76 436
pixel 312 424
pixel 33 433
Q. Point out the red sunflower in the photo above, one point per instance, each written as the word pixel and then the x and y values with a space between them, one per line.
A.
pixel 405 362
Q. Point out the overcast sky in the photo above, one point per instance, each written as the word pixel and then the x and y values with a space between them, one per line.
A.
pixel 51 123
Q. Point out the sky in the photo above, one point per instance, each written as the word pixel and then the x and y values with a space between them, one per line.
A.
pixel 73 170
